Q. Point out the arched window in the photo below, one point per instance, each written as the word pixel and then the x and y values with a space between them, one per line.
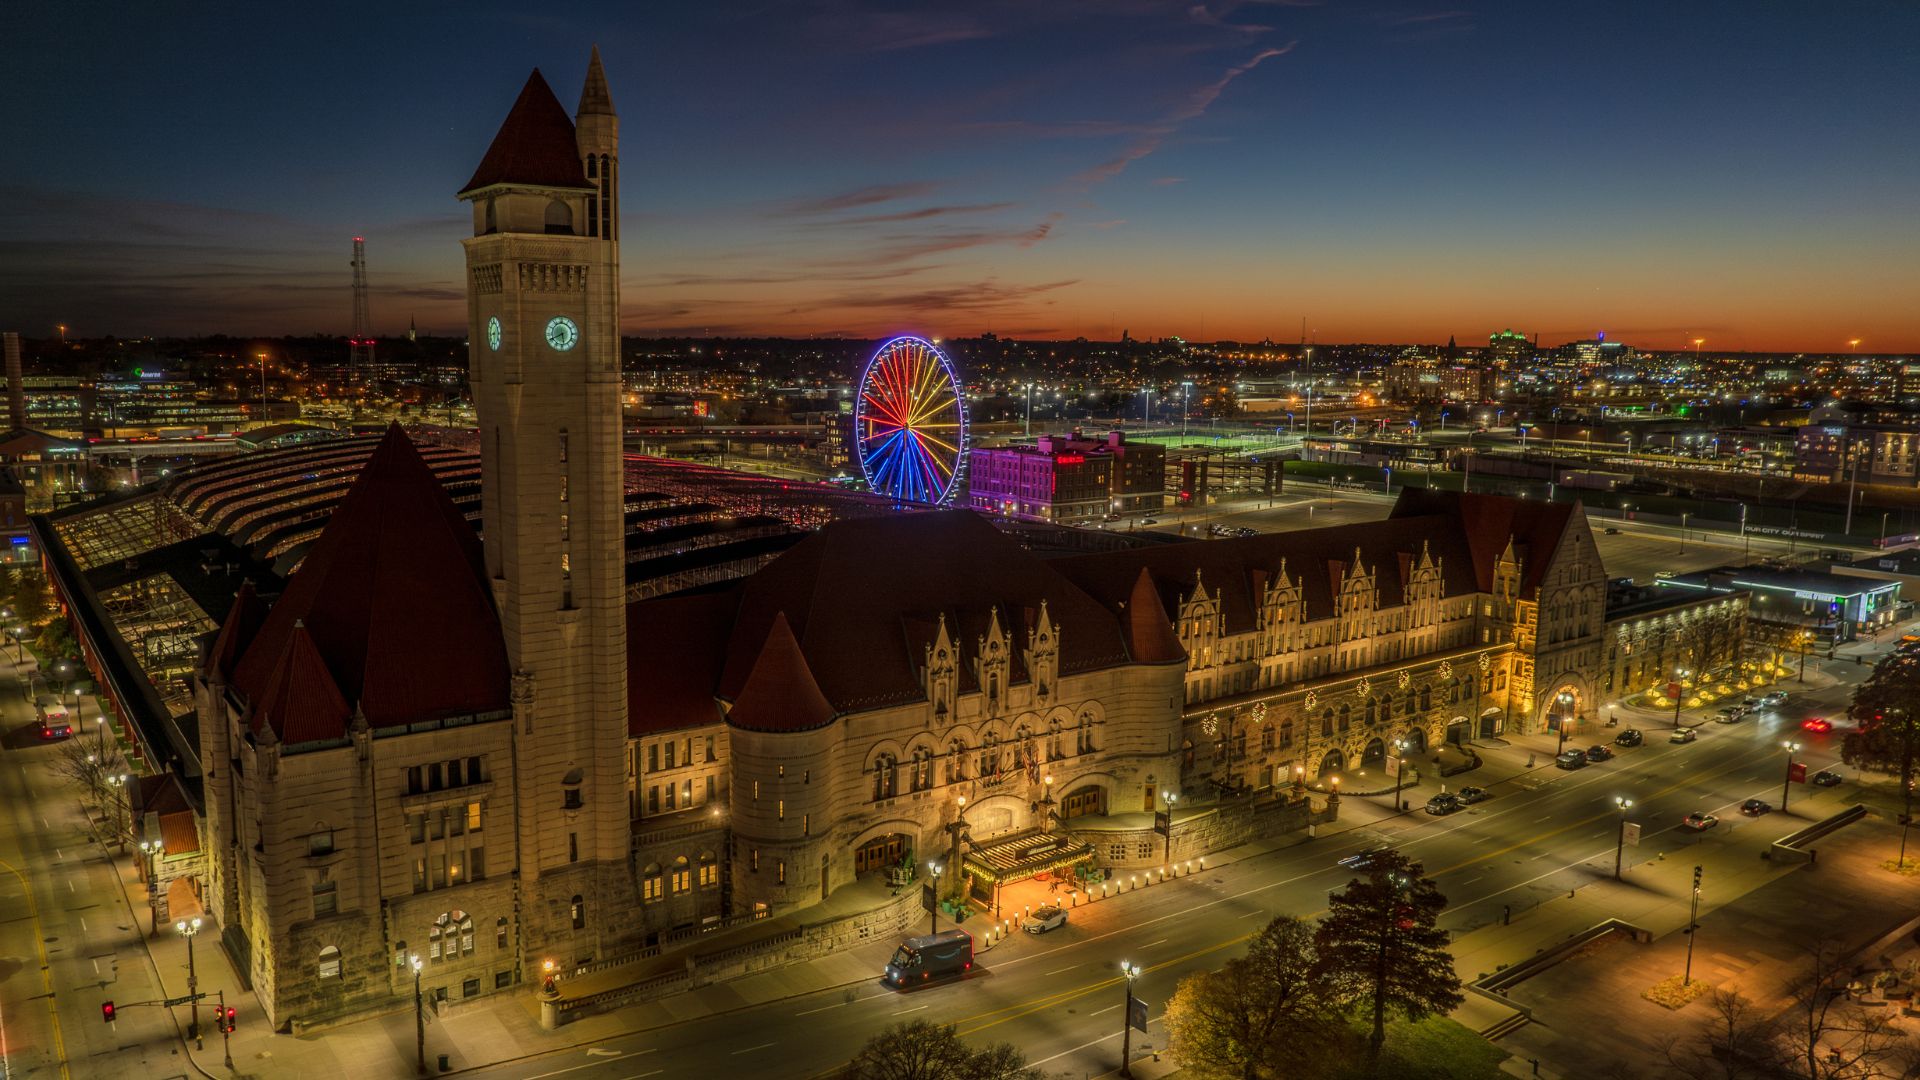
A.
pixel 989 755
pixel 434 937
pixel 465 926
pixel 1346 718
pixel 570 789
pixel 491 225
pixel 559 218
pixel 1326 722
pixel 922 775
pixel 1053 741
pixel 956 761
pixel 1426 698
pixel 329 963
pixel 682 878
pixel 884 769
pixel 650 882
pixel 579 908
pixel 709 870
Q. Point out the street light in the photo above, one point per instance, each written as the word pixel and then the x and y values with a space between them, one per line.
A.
pixel 187 928
pixel 1171 797
pixel 420 1015
pixel 934 914
pixel 1399 770
pixel 1680 693
pixel 1693 928
pixel 1787 784
pixel 1132 972
pixel 1620 843
pixel 151 849
pixel 1565 701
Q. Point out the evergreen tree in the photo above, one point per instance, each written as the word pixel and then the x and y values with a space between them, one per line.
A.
pixel 1380 941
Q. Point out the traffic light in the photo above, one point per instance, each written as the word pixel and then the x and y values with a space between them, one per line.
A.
pixel 106 1011
pixel 226 1020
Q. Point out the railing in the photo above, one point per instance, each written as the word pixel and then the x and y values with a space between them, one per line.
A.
pixel 675 830
pixel 750 948
pixel 687 933
pixel 1794 848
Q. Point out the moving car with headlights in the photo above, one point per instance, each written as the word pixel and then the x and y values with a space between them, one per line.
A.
pixel 1683 735
pixel 1471 795
pixel 1827 778
pixel 1819 725
pixel 1362 860
pixel 54 722
pixel 1699 821
pixel 930 956
pixel 1045 919
pixel 1756 807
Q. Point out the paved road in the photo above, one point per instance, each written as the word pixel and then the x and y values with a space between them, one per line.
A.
pixel 1059 997
pixel 73 944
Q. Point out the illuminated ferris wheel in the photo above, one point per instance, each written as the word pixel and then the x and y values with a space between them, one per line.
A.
pixel 910 423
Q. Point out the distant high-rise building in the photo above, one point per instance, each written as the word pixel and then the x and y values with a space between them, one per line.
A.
pixel 16 383
pixel 360 344
pixel 413 332
pixel 1508 348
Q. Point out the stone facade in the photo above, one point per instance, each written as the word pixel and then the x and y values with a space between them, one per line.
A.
pixel 1648 648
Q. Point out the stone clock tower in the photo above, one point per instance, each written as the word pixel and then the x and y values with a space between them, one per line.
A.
pixel 543 304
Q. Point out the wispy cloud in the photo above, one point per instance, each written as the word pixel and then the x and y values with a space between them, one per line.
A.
pixel 922 214
pixel 1201 14
pixel 852 200
pixel 1195 107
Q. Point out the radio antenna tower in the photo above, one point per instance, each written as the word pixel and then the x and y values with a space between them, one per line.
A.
pixel 360 345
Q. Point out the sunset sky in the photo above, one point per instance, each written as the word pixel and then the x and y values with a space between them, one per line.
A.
pixel 1744 173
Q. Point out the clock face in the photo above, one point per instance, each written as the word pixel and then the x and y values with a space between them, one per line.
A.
pixel 562 334
pixel 493 333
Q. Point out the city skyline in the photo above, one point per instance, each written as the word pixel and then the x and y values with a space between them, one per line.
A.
pixel 1216 171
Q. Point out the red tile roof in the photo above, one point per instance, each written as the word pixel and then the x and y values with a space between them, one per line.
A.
pixel 395 596
pixel 780 694
pixel 1489 522
pixel 864 597
pixel 675 648
pixel 535 145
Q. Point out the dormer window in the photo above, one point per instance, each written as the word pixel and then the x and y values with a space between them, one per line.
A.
pixel 570 786
pixel 559 218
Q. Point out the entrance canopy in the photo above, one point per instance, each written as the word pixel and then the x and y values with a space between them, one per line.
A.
pixel 1008 859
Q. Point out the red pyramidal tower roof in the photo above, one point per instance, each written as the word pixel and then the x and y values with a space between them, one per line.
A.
pixel 301 703
pixel 1150 636
pixel 243 622
pixel 535 146
pixel 395 597
pixel 780 693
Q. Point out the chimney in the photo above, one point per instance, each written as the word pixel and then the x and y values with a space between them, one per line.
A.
pixel 16 385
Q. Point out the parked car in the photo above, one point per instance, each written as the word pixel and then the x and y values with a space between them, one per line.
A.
pixel 1571 759
pixel 1149 521
pixel 1471 795
pixel 1699 821
pixel 1730 716
pixel 1683 735
pixel 1756 807
pixel 1819 725
pixel 1827 778
pixel 1362 860
pixel 1611 531
pixel 1629 737
pixel 1599 753
pixel 1247 530
pixel 1444 803
pixel 1752 703
pixel 1775 698
pixel 1045 919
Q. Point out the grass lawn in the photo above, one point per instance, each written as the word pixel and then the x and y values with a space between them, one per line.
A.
pixel 1436 1049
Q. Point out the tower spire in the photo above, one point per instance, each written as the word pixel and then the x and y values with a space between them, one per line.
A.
pixel 595 99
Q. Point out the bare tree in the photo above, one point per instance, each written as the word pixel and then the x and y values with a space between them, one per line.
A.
pixel 1733 1041
pixel 1824 1034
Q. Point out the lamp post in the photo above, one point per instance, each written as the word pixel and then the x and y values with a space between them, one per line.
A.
pixel 1786 785
pixel 1186 394
pixel 1803 639
pixel 1693 928
pixel 151 849
pixel 1171 797
pixel 1132 972
pixel 1026 428
pixel 1684 514
pixel 934 927
pixel 187 928
pixel 1620 842
pixel 420 1015
pixel 118 781
pixel 1565 702
pixel 1399 770
pixel 1680 683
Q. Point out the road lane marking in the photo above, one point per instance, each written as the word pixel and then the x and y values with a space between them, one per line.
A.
pixel 1057 971
pixel 902 1012
pixel 751 1049
pixel 598 1061
pixel 1108 1009
pixel 46 968
pixel 823 1008
pixel 1251 914
pixel 1151 944
pixel 639 1076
